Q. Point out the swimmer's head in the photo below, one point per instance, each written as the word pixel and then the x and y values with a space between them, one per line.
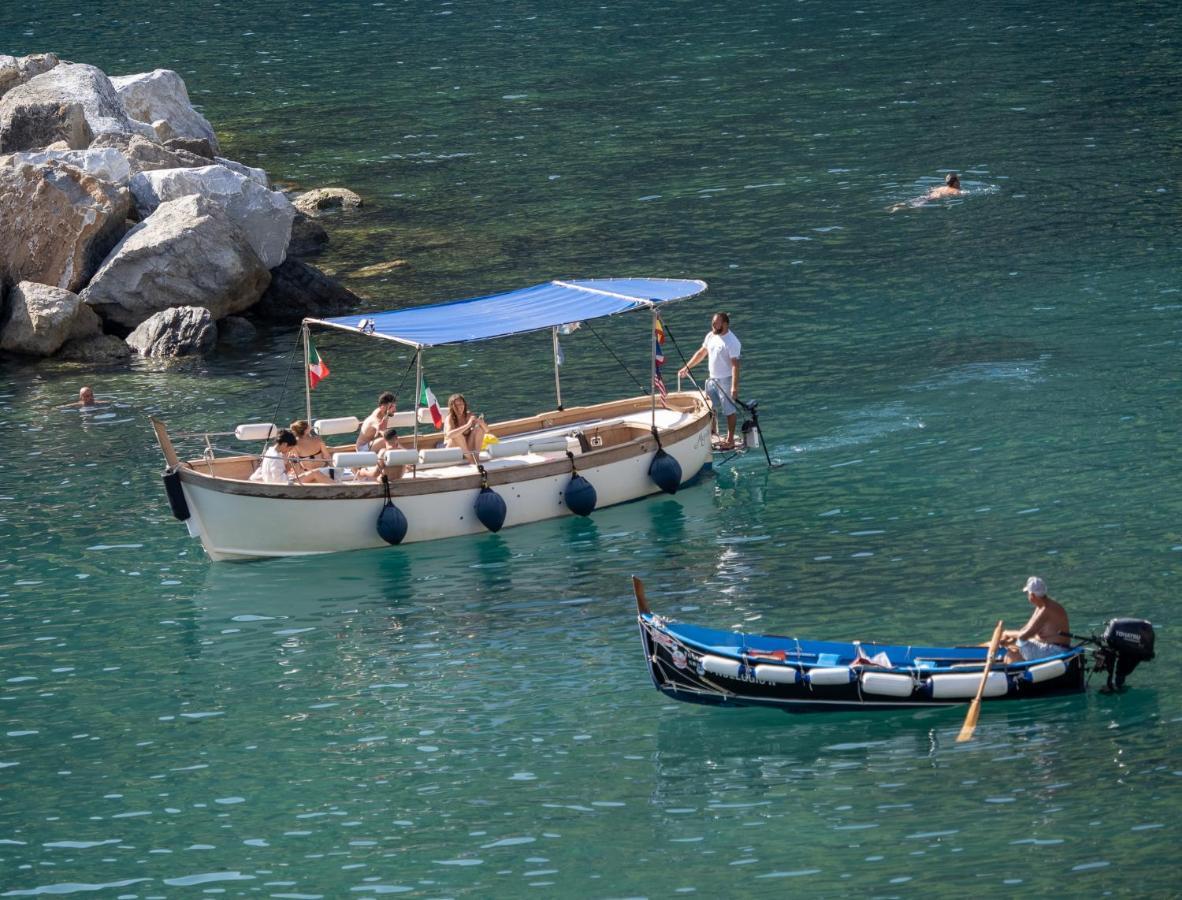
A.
pixel 952 180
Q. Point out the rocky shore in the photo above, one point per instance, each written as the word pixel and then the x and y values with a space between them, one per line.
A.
pixel 124 231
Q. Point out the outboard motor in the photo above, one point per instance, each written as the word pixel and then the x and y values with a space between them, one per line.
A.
pixel 750 428
pixel 1124 644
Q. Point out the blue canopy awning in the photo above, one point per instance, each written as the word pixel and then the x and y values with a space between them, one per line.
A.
pixel 516 312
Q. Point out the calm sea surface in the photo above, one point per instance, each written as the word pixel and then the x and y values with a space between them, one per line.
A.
pixel 962 394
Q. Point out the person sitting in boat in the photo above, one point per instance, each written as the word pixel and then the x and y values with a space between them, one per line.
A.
pixel 463 429
pixel 310 449
pixel 388 441
pixel 375 423
pixel 1045 634
pixel 279 465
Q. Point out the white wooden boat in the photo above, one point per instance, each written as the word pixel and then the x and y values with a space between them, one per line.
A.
pixel 553 463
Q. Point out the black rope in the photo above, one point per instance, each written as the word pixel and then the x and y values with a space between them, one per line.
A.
pixel 286 377
pixel 616 358
pixel 398 389
pixel 684 361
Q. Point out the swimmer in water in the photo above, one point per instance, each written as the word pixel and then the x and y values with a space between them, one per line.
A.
pixel 86 400
pixel 950 188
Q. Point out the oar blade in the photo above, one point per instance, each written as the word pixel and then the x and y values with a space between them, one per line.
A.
pixel 970 720
pixel 970 723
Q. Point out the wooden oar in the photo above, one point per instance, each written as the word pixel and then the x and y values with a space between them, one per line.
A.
pixel 970 721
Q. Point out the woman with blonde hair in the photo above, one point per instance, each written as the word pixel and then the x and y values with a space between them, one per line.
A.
pixel 310 450
pixel 463 429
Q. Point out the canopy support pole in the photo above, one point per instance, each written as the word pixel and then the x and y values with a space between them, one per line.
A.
pixel 418 396
pixel 652 368
pixel 557 364
pixel 307 381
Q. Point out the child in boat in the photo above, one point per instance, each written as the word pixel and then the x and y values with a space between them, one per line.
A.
pixel 388 441
pixel 463 429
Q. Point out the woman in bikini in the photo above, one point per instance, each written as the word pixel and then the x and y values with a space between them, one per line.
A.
pixel 463 429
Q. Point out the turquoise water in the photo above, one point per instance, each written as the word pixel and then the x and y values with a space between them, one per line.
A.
pixel 962 394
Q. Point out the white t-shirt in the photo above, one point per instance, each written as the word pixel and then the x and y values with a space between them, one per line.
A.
pixel 722 349
pixel 273 468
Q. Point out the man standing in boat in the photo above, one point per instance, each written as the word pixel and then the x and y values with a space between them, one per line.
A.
pixel 722 387
pixel 1045 632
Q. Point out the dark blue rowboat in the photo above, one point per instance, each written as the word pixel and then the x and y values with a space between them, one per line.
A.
pixel 727 668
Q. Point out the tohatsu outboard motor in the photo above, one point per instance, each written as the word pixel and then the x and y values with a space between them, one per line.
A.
pixel 1124 644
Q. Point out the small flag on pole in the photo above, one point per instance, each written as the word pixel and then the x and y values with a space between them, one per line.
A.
pixel 427 399
pixel 659 360
pixel 317 367
pixel 660 385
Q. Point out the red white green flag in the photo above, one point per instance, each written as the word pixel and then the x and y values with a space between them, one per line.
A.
pixel 317 367
pixel 427 399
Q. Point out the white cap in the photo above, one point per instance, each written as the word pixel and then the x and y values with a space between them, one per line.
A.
pixel 1036 586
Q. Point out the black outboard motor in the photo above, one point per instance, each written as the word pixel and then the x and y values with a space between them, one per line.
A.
pixel 1124 644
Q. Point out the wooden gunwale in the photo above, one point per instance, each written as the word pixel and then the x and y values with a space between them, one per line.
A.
pixel 409 487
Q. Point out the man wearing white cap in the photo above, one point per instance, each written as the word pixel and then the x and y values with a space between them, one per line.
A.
pixel 1045 633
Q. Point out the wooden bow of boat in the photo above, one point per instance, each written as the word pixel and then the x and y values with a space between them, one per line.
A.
pixel 642 606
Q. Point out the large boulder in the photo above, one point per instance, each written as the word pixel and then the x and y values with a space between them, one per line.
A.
pixel 42 318
pixel 145 155
pixel 42 110
pixel 313 203
pixel 57 223
pixel 101 349
pixel 15 71
pixel 186 253
pixel 181 331
pixel 160 99
pixel 308 236
pixel 259 176
pixel 27 123
pixel 197 146
pixel 237 330
pixel 264 216
pixel 107 163
pixel 298 290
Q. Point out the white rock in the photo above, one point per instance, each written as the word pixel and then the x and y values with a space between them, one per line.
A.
pixel 186 253
pixel 264 216
pixel 43 318
pixel 160 98
pixel 258 176
pixel 106 163
pixel 57 223
pixel 75 83
pixel 15 71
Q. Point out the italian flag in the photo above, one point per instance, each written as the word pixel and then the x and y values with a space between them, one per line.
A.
pixel 317 367
pixel 427 399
